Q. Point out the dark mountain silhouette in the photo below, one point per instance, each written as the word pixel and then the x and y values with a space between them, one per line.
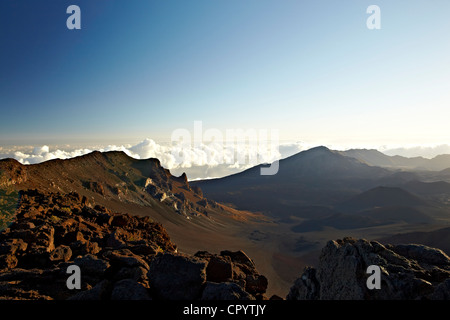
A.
pixel 325 188
pixel 440 162
pixel 377 158
pixel 316 177
pixel 323 163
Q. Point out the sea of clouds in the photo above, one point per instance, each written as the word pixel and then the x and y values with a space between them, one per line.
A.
pixel 202 161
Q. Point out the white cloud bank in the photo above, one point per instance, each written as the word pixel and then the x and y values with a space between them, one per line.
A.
pixel 199 162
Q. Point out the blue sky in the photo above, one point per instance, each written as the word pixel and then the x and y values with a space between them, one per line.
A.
pixel 141 69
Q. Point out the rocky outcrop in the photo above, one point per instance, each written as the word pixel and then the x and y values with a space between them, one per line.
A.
pixel 161 188
pixel 120 257
pixel 235 267
pixel 97 187
pixel 177 277
pixel 408 272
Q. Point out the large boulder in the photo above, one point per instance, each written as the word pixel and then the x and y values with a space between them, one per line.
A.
pixel 407 272
pixel 92 265
pixel 177 276
pixel 219 269
pixel 256 283
pixel 239 257
pixel 237 267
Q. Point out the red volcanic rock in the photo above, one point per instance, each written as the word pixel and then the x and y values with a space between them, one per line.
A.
pixel 121 257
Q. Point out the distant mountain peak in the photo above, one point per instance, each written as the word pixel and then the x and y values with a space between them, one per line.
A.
pixel 319 149
pixel 316 151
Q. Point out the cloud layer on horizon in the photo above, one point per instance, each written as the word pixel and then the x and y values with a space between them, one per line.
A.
pixel 199 162
pixel 418 151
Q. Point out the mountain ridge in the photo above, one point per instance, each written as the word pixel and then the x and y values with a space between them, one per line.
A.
pixel 377 158
pixel 110 174
pixel 301 176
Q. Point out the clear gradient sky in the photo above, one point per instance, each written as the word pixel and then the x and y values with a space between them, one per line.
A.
pixel 311 69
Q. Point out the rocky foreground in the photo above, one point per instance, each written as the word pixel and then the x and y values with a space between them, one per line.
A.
pixel 124 257
pixel 121 257
pixel 408 272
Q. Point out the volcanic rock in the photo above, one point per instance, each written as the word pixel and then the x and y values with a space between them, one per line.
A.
pixel 120 256
pixel 408 272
